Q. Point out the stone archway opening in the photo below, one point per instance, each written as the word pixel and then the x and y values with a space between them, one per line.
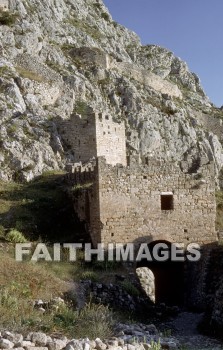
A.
pixel 164 279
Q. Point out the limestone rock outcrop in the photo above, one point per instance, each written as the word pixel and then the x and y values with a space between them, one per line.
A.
pixel 58 58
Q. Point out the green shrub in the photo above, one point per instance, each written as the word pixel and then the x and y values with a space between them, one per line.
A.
pixel 105 16
pixel 155 345
pixel 12 129
pixel 4 70
pixel 15 236
pixel 7 18
pixel 89 275
pixel 81 107
pixel 80 187
pixel 97 5
pixel 94 321
pixel 65 319
pixel 130 288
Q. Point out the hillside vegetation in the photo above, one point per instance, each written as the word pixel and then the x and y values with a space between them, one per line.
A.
pixel 59 59
pixel 39 209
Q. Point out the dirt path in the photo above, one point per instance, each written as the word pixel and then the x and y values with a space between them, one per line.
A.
pixel 184 328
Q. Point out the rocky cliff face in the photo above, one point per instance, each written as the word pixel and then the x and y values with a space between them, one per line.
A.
pixel 60 57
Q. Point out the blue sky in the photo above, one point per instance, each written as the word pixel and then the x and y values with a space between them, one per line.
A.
pixel 191 29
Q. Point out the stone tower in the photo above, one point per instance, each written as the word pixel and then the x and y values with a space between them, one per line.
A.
pixel 95 135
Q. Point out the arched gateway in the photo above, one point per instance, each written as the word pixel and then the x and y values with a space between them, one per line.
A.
pixel 169 276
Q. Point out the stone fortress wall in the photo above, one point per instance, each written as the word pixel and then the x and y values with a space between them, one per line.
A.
pixel 94 56
pixel 134 200
pixel 91 56
pixel 124 204
pixel 147 78
pixel 137 212
pixel 213 124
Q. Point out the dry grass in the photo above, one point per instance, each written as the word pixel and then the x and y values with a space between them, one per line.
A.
pixel 30 75
pixel 40 210
pixel 22 283
pixel 36 279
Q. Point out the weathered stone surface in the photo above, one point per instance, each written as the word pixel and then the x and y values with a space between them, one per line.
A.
pixel 13 337
pixel 36 348
pixel 146 346
pixel 74 344
pixel 86 346
pixel 25 343
pixel 69 347
pixel 131 347
pixel 114 343
pixel 147 281
pixel 128 202
pixel 56 344
pixel 99 344
pixel 6 344
pixel 72 56
pixel 39 338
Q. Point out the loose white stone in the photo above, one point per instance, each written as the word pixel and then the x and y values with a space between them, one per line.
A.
pixel 6 344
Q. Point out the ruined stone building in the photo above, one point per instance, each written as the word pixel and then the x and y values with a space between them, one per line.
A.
pixel 125 201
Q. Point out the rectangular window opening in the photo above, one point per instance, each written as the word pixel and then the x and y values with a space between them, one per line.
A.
pixel 167 202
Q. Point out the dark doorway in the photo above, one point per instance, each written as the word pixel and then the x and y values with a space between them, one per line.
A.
pixel 169 278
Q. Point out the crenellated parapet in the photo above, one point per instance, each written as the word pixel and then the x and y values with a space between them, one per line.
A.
pixel 80 174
